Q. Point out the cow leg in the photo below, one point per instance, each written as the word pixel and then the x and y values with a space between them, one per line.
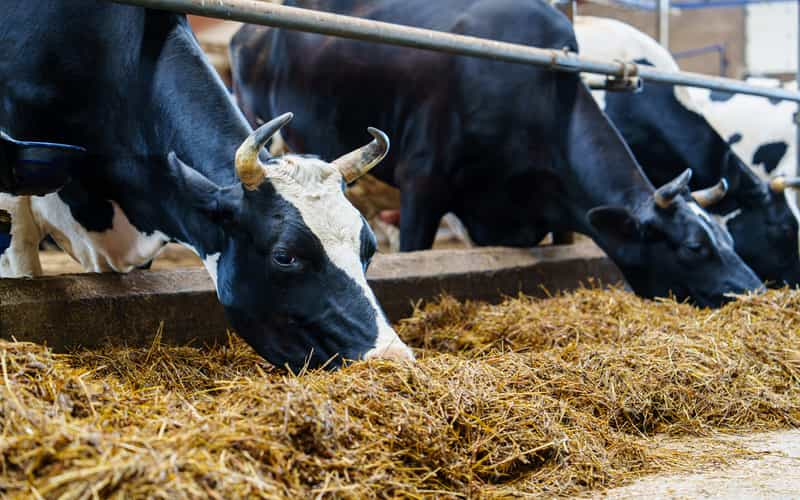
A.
pixel 391 232
pixel 20 257
pixel 419 221
pixel 459 229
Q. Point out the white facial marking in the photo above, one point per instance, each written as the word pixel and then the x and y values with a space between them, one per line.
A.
pixel 698 210
pixel 714 230
pixel 314 188
pixel 724 219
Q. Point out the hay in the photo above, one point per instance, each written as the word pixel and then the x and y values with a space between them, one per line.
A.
pixel 553 396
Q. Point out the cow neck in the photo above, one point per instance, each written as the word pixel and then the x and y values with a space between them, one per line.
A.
pixel 201 122
pixel 198 120
pixel 602 169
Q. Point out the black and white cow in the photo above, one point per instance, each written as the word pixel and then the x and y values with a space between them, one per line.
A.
pixel 33 168
pixel 668 133
pixel 762 131
pixel 172 158
pixel 515 152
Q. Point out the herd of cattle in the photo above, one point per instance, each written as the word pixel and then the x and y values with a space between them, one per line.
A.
pixel 163 153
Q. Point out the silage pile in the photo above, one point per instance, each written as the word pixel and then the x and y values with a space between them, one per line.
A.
pixel 554 396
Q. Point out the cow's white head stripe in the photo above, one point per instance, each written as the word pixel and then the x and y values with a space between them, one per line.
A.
pixel 314 188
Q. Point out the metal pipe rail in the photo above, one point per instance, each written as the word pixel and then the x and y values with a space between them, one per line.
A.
pixel 281 16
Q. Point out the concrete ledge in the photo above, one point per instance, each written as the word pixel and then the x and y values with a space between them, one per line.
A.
pixel 92 309
pixel 486 273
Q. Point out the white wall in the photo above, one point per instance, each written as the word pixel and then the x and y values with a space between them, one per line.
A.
pixel 771 38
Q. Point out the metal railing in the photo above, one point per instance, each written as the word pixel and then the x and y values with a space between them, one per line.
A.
pixel 721 49
pixel 281 16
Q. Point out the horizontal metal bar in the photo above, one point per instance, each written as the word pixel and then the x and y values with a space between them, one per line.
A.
pixel 281 16
pixel 698 51
pixel 691 5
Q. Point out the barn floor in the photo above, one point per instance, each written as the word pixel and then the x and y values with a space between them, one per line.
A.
pixel 773 472
pixel 174 256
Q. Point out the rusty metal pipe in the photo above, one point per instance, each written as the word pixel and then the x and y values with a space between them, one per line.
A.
pixel 281 16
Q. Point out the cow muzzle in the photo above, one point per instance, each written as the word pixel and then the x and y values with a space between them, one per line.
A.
pixel 389 346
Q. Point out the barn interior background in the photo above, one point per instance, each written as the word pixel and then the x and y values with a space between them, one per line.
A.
pixel 597 397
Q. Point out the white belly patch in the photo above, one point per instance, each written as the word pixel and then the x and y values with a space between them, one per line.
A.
pixel 120 249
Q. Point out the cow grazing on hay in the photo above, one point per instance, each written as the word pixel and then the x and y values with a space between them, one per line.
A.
pixel 668 133
pixel 516 152
pixel 172 158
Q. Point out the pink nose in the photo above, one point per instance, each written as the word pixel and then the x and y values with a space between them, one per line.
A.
pixel 395 350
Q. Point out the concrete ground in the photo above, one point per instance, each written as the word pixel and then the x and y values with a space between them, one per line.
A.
pixel 773 473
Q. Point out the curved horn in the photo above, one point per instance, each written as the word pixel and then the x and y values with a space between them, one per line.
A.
pixel 666 194
pixel 248 167
pixel 780 183
pixel 711 196
pixel 357 163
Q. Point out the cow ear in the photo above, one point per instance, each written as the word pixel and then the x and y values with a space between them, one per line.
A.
pixel 218 203
pixel 617 225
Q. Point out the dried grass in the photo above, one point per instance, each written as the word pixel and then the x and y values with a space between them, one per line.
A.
pixel 553 396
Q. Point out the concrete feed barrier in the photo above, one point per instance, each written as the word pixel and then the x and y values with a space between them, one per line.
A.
pixel 90 310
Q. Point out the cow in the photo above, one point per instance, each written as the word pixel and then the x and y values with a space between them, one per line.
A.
pixel 514 151
pixel 762 131
pixel 32 168
pixel 171 158
pixel 668 133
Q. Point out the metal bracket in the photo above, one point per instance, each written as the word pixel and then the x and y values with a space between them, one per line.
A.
pixel 614 83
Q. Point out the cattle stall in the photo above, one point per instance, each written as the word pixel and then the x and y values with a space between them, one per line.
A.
pixel 537 371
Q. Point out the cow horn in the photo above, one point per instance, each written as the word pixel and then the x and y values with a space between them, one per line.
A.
pixel 780 183
pixel 711 196
pixel 357 163
pixel 666 194
pixel 248 167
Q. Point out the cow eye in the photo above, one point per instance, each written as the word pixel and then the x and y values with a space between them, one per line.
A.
pixel 693 251
pixel 283 258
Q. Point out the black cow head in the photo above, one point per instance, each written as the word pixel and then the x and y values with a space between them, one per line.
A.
pixel 694 255
pixel 293 253
pixel 765 231
pixel 762 225
pixel 666 131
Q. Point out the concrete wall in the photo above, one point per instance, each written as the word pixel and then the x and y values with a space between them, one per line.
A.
pixel 91 309
pixel 771 38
